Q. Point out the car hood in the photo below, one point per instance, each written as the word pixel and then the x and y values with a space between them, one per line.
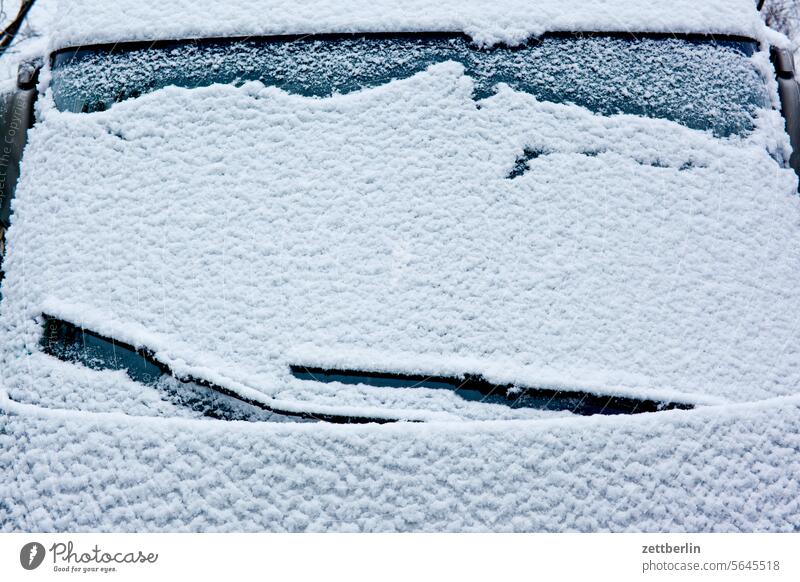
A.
pixel 88 22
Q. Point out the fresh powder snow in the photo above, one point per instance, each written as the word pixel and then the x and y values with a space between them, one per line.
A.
pixel 430 224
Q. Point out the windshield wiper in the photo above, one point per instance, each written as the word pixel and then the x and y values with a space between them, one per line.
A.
pixel 75 344
pixel 475 388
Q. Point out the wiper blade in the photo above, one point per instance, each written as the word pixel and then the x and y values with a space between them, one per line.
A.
pixel 475 388
pixel 72 343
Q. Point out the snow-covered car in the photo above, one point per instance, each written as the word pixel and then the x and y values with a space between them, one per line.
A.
pixel 372 265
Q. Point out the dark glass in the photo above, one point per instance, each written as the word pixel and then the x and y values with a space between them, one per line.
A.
pixel 703 84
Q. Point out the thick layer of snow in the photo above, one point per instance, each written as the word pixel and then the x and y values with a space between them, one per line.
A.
pixel 721 469
pixel 84 22
pixel 237 231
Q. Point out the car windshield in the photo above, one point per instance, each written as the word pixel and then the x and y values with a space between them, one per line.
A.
pixel 704 84
pixel 707 85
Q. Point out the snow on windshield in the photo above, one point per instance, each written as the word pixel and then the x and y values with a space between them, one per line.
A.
pixel 408 228
pixel 701 84
pixel 239 230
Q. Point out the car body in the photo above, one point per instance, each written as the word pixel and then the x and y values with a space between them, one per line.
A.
pixel 378 267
